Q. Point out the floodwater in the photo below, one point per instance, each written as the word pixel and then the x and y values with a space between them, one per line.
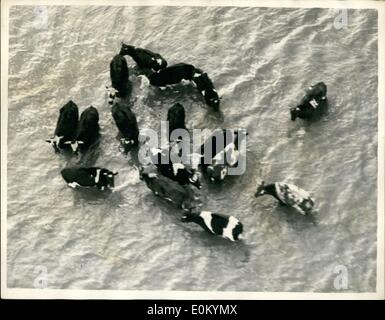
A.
pixel 261 60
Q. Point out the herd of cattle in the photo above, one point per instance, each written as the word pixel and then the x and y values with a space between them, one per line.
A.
pixel 175 182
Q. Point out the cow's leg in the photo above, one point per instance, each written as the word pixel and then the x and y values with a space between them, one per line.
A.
pixel 73 185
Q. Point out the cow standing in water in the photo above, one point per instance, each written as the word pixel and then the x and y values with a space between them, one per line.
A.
pixel 66 126
pixel 119 76
pixel 313 104
pixel 176 116
pixel 89 177
pixel 88 131
pixel 172 75
pixel 126 122
pixel 288 195
pixel 184 197
pixel 218 153
pixel 179 172
pixel 206 87
pixel 227 227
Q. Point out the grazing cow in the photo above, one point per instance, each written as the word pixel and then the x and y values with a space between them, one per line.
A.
pixel 66 126
pixel 119 75
pixel 126 122
pixel 179 172
pixel 183 197
pixel 222 156
pixel 172 75
pixel 89 177
pixel 228 227
pixel 206 87
pixel 176 118
pixel 287 194
pixel 144 58
pixel 88 130
pixel 312 104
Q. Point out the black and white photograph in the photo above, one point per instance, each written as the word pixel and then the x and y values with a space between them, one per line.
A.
pixel 192 150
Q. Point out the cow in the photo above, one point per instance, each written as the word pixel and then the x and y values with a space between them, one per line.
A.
pixel 184 197
pixel 88 131
pixel 144 58
pixel 100 178
pixel 228 157
pixel 66 126
pixel 227 227
pixel 176 118
pixel 313 104
pixel 119 75
pixel 288 195
pixel 218 153
pixel 172 75
pixel 206 87
pixel 182 173
pixel 126 122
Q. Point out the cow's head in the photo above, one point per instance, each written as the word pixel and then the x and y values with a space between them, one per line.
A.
pixel 216 172
pixel 109 178
pixel 75 145
pixel 54 142
pixel 212 98
pixel 112 94
pixel 294 112
pixel 162 64
pixel 126 49
pixel 195 179
pixel 158 64
pixel 126 145
pixel 260 189
pixel 190 217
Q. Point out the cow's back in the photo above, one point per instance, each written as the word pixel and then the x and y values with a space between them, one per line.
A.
pixel 124 119
pixel 119 74
pixel 68 121
pixel 88 131
pixel 82 176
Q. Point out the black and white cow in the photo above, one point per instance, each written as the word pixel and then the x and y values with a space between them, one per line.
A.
pixel 184 197
pixel 88 131
pixel 144 58
pixel 119 75
pixel 206 87
pixel 172 75
pixel 312 104
pixel 176 118
pixel 182 173
pixel 287 194
pixel 223 160
pixel 66 126
pixel 223 154
pixel 227 227
pixel 89 177
pixel 126 122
